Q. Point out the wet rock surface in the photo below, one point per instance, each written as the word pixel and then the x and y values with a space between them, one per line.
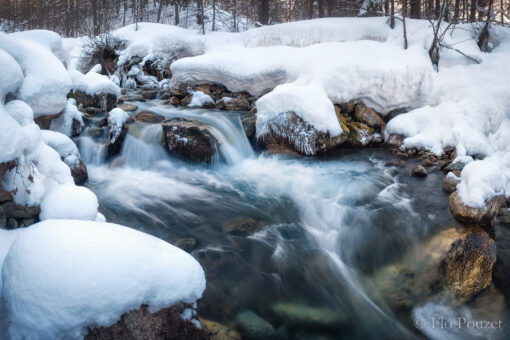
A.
pixel 141 324
pixel 190 139
pixel 419 171
pixel 105 102
pixel 485 216
pixel 253 327
pixel 79 172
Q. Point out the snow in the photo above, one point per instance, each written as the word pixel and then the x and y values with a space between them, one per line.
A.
pixel 65 147
pixel 47 39
pixel 116 119
pixel 79 274
pixel 93 83
pixel 64 123
pixel 199 98
pixel 46 82
pixel 69 202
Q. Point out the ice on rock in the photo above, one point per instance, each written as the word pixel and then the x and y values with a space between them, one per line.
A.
pixel 81 274
pixel 116 119
pixel 46 82
pixel 69 202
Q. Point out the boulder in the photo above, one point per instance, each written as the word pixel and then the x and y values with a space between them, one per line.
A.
pixel 106 102
pixel 290 130
pixel 168 323
pixel 369 117
pixel 12 224
pixel 419 171
pixel 114 148
pixel 456 263
pixel 253 327
pixel 458 166
pixel 485 216
pixel 467 266
pixel 190 139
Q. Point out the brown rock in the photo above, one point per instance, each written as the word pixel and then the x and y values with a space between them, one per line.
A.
pixel 368 116
pixel 106 102
pixel 249 122
pixel 190 139
pixel 79 173
pixel 44 122
pixel 395 140
pixel 241 227
pixel 482 216
pixel 148 116
pixel 20 212
pixel 175 101
pixel 419 171
pixel 141 324
pixel 427 162
pixel 149 94
pixel 234 104
pixel 450 184
pixel 467 267
pixel 128 107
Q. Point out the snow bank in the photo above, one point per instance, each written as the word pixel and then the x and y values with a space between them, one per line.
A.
pixel 164 43
pixel 116 118
pixel 69 202
pixel 81 274
pixel 93 83
pixel 46 82
pixel 65 147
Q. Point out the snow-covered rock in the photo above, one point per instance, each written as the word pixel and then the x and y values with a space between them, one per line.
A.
pixel 46 82
pixel 69 202
pixel 116 119
pixel 80 274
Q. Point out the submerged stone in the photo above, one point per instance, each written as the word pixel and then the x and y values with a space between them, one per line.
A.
pixel 253 327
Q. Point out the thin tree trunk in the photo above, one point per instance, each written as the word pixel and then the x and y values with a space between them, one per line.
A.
pixel 214 15
pixel 415 10
pixel 310 9
pixel 176 10
pixel 321 8
pixel 472 13
pixel 95 23
pixel 159 10
pixel 438 9
pixel 392 18
pixel 404 13
pixel 456 12
pixel 263 12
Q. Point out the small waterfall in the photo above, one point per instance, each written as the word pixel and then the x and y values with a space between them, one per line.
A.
pixel 91 151
pixel 143 146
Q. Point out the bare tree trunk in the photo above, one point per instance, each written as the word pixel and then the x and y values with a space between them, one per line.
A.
pixel 502 9
pixel 456 12
pixel 415 12
pixel 264 12
pixel 159 10
pixel 95 22
pixel 235 16
pixel 438 9
pixel 214 15
pixel 310 9
pixel 404 13
pixel 331 4
pixel 176 10
pixel 472 13
pixel 392 18
pixel 321 8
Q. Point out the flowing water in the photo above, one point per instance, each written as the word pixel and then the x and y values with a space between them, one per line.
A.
pixel 295 240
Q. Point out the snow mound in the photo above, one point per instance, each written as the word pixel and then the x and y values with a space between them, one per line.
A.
pixel 69 202
pixel 20 111
pixel 81 274
pixel 47 39
pixel 65 147
pixel 93 83
pixel 46 82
